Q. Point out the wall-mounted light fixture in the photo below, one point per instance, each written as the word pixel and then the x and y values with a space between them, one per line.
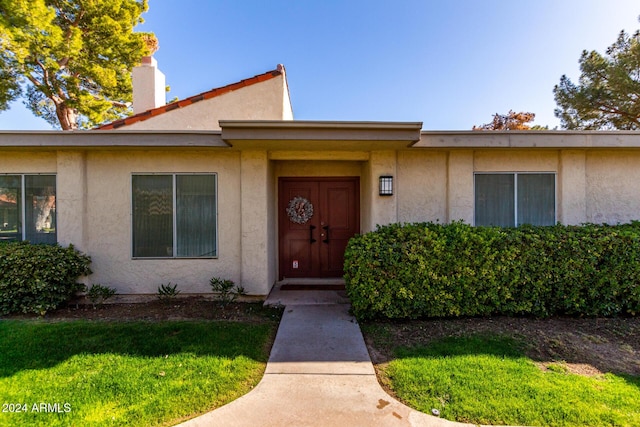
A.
pixel 386 185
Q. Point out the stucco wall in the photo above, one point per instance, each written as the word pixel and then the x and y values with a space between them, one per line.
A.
pixel 572 187
pixel 94 199
pixel 71 198
pixel 108 228
pixel 422 186
pixel 382 209
pixel 317 168
pixel 613 186
pixel 460 200
pixel 272 226
pixel 515 161
pixel 28 162
pixel 254 178
pixel 260 101
pixel 366 198
pixel 591 185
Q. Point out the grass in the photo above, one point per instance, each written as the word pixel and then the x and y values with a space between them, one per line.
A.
pixel 487 379
pixel 125 373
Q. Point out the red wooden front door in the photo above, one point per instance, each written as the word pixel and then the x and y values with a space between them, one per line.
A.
pixel 316 219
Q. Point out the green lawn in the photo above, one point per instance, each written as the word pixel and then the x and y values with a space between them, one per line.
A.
pixel 82 373
pixel 489 380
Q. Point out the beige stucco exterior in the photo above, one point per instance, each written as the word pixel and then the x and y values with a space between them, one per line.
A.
pixel 94 213
pixel 422 186
pixel 612 189
pixel 268 100
pixel 597 179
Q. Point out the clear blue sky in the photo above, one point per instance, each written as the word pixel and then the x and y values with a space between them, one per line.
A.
pixel 448 63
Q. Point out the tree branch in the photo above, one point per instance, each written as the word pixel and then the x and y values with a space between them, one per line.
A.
pixel 45 76
pixel 33 80
pixel 605 108
pixel 62 62
pixel 120 104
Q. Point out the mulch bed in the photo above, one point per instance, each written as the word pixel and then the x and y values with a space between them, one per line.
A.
pixel 585 346
pixel 190 308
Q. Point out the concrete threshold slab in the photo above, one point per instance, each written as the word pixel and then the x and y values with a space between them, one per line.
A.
pixel 279 297
pixel 312 281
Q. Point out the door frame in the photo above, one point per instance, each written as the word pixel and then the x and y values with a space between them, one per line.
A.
pixel 358 214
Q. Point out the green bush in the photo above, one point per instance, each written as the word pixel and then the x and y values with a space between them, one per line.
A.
pixel 168 292
pixel 434 270
pixel 225 290
pixel 38 278
pixel 99 293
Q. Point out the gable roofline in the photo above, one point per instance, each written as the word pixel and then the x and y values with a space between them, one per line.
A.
pixel 215 92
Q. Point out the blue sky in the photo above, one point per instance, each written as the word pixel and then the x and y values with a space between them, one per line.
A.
pixel 448 63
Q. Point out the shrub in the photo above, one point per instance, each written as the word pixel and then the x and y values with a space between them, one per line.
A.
pixel 168 292
pixel 98 294
pixel 226 290
pixel 38 278
pixel 433 270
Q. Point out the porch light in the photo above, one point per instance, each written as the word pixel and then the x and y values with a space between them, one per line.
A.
pixel 386 186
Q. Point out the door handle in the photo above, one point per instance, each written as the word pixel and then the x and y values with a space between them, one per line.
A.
pixel 326 234
pixel 311 239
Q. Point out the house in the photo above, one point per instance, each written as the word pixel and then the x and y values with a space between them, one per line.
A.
pixel 256 197
pixel 261 97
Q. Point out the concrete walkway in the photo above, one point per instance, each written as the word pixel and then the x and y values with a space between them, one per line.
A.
pixel 319 374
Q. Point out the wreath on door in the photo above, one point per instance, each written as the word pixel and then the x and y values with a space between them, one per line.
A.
pixel 300 210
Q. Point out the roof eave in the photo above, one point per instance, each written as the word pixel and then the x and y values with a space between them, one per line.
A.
pixel 528 139
pixel 305 135
pixel 110 139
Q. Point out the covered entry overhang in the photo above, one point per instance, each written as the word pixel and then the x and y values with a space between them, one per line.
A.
pixel 273 151
pixel 319 135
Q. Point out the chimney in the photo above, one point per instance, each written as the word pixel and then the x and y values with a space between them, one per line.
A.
pixel 148 86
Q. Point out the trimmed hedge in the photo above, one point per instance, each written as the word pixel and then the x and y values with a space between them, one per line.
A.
pixel 434 270
pixel 38 278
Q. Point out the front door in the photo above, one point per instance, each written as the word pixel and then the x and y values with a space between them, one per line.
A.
pixel 316 218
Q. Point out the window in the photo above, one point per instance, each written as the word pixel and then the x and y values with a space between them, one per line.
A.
pixel 512 199
pixel 174 216
pixel 28 208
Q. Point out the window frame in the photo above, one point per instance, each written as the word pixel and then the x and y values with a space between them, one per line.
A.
pixel 515 191
pixel 174 220
pixel 22 209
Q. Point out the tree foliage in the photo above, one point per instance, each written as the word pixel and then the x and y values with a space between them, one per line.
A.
pixel 607 95
pixel 70 60
pixel 509 121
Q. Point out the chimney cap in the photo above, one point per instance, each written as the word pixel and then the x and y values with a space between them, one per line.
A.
pixel 149 61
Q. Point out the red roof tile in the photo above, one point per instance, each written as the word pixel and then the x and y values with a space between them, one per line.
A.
pixel 192 99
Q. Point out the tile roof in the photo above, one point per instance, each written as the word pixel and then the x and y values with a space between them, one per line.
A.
pixel 192 99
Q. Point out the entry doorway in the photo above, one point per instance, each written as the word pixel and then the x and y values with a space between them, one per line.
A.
pixel 316 219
